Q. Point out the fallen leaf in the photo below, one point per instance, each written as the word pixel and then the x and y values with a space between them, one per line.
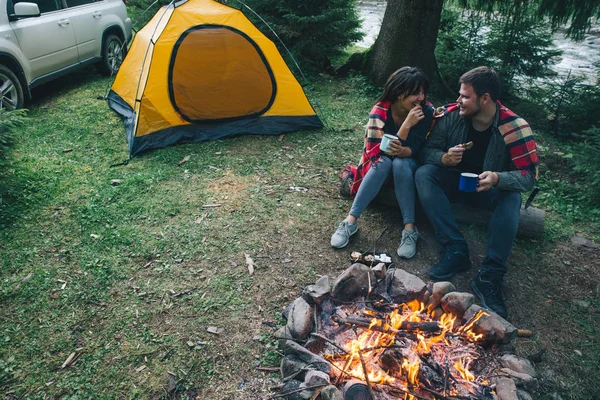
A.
pixel 68 361
pixel 184 160
pixel 200 219
pixel 215 330
pixel 250 264
pixel 54 296
pixel 190 343
pixel 140 368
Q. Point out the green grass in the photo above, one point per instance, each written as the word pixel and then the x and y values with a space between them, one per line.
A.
pixel 75 250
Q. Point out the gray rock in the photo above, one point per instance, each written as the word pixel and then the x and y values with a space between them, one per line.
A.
pixel 506 389
pixel 282 336
pixel 315 294
pixel 308 393
pixel 581 241
pixel 494 328
pixel 291 365
pixel 300 319
pixel 289 387
pixel 379 270
pixel 312 360
pixel 457 302
pixel 285 313
pixel 439 290
pixel 523 380
pixel 316 378
pixel 518 364
pixel 354 282
pixel 406 287
pixel 331 393
pixel 523 395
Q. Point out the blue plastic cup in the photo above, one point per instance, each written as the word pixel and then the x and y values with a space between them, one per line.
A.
pixel 468 182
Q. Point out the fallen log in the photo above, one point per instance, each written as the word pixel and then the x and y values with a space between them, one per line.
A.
pixel 531 220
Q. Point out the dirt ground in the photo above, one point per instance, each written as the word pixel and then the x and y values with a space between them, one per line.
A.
pixel 545 292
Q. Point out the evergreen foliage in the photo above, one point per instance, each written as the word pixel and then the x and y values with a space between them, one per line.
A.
pixel 314 30
pixel 516 44
pixel 510 37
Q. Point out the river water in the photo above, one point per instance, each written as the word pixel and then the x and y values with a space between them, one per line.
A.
pixel 577 57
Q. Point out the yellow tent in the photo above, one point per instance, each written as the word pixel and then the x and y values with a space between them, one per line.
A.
pixel 200 70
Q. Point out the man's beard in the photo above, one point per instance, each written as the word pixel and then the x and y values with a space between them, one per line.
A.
pixel 473 114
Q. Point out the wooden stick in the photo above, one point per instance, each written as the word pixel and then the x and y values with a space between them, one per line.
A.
pixel 524 333
pixel 339 379
pixel 268 369
pixel 366 373
pixel 432 327
pixel 331 342
pixel 297 390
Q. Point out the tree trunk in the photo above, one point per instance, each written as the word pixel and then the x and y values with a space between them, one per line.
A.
pixel 407 37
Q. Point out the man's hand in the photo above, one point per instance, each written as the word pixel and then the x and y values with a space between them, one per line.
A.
pixel 453 156
pixel 396 149
pixel 487 180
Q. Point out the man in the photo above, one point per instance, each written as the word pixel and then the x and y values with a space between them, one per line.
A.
pixel 504 157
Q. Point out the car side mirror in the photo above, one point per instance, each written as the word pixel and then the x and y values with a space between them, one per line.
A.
pixel 25 10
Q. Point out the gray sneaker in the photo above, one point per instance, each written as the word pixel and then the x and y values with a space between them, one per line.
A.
pixel 342 234
pixel 408 244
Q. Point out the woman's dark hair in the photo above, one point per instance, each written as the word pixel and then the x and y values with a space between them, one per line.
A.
pixel 404 82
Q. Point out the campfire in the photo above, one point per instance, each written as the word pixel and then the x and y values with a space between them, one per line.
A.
pixel 385 334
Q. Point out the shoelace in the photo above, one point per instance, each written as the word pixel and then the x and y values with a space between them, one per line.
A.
pixel 491 290
pixel 343 228
pixel 411 239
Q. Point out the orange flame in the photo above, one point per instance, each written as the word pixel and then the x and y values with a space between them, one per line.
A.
pixel 371 343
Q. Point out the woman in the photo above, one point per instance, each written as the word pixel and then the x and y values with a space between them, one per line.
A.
pixel 401 111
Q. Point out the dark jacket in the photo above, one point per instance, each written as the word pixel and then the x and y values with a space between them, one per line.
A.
pixel 452 129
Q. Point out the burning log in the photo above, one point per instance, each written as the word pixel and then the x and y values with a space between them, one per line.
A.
pixel 381 326
pixel 400 349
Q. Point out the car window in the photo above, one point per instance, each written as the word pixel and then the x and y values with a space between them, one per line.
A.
pixel 75 3
pixel 44 5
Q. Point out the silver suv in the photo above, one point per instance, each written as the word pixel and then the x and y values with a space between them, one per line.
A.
pixel 41 40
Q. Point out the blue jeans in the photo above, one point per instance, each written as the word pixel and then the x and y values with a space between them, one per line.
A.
pixel 402 170
pixel 438 186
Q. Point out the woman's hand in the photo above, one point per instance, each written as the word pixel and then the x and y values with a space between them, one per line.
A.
pixel 414 116
pixel 396 149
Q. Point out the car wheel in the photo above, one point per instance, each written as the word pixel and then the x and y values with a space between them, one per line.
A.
pixel 11 91
pixel 113 53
